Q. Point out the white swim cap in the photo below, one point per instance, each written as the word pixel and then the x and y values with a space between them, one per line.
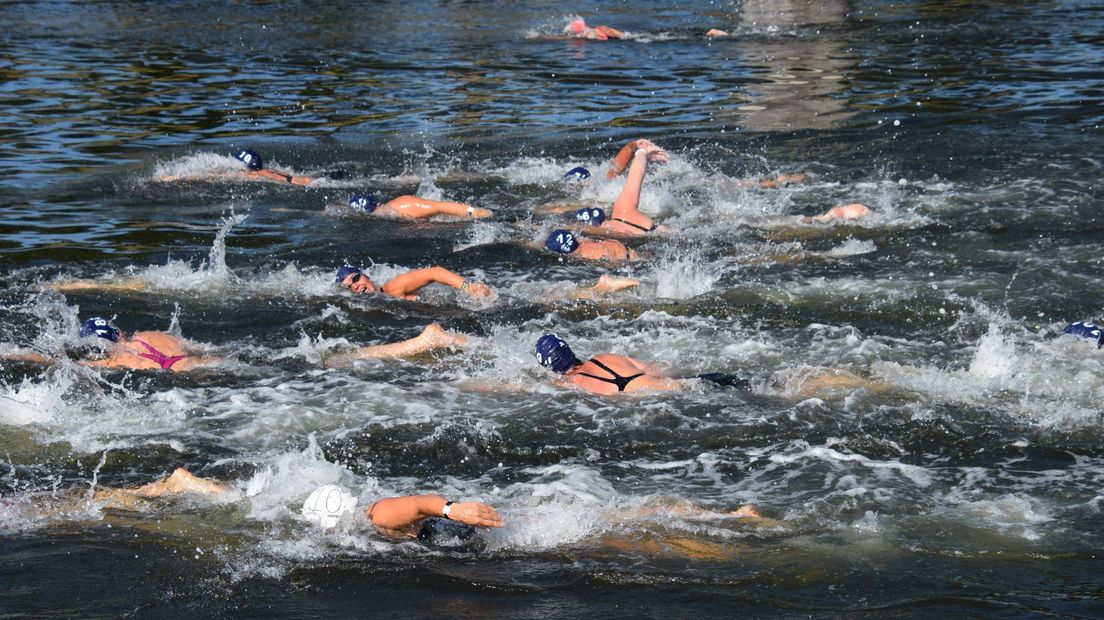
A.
pixel 327 503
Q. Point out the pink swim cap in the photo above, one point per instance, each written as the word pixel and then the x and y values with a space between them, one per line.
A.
pixel 577 26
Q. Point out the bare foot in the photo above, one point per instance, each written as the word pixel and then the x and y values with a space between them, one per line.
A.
pixel 844 212
pixel 608 284
pixel 747 511
pixel 183 481
pixel 716 32
pixel 436 335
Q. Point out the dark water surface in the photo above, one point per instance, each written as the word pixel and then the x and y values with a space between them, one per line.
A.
pixel 965 478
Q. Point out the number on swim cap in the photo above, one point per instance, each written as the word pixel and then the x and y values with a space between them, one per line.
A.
pixel 327 504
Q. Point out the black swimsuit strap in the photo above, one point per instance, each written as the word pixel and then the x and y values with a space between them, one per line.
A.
pixel 636 226
pixel 616 379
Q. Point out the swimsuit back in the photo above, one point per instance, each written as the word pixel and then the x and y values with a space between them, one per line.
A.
pixel 152 354
pixel 615 379
pixel 636 226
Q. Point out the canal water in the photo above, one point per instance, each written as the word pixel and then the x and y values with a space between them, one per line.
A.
pixel 920 434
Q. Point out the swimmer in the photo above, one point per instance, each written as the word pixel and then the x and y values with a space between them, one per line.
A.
pixel 1088 331
pixel 625 217
pixel 255 170
pixel 432 337
pixel 851 211
pixel 417 516
pixel 415 208
pixel 404 286
pixel 140 351
pixel 578 29
pixel 427 518
pixel 565 242
pixel 180 482
pixel 604 374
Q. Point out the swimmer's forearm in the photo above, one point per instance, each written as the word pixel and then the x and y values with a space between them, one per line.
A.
pixel 622 159
pixel 395 513
pixel 27 356
pixel 413 281
pixel 629 198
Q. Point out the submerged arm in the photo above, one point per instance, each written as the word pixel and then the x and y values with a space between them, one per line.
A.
pixel 432 337
pixel 273 175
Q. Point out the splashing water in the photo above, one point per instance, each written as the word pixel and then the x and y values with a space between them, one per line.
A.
pixel 682 275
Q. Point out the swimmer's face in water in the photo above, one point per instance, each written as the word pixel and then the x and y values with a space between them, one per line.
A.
pixel 358 283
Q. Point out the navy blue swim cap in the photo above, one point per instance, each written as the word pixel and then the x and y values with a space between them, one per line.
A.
pixel 1086 330
pixel 562 241
pixel 366 203
pixel 551 351
pixel 345 271
pixel 578 173
pixel 250 158
pixel 99 326
pixel 591 215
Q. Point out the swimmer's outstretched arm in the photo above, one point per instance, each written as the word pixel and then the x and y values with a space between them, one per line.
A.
pixel 272 175
pixel 432 337
pixel 123 284
pixel 27 356
pixel 409 283
pixel 782 179
pixel 396 513
pixel 417 208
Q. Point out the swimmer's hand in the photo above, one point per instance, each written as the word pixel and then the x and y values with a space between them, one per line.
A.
pixel 716 32
pixel 475 514
pixel 653 152
pixel 621 161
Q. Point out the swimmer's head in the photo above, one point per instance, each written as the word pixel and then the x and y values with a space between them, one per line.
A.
pixel 562 241
pixel 327 504
pixel 578 173
pixel 345 271
pixel 554 353
pixel 101 327
pixel 1087 331
pixel 251 159
pixel 366 203
pixel 591 215
pixel 354 279
pixel 576 26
